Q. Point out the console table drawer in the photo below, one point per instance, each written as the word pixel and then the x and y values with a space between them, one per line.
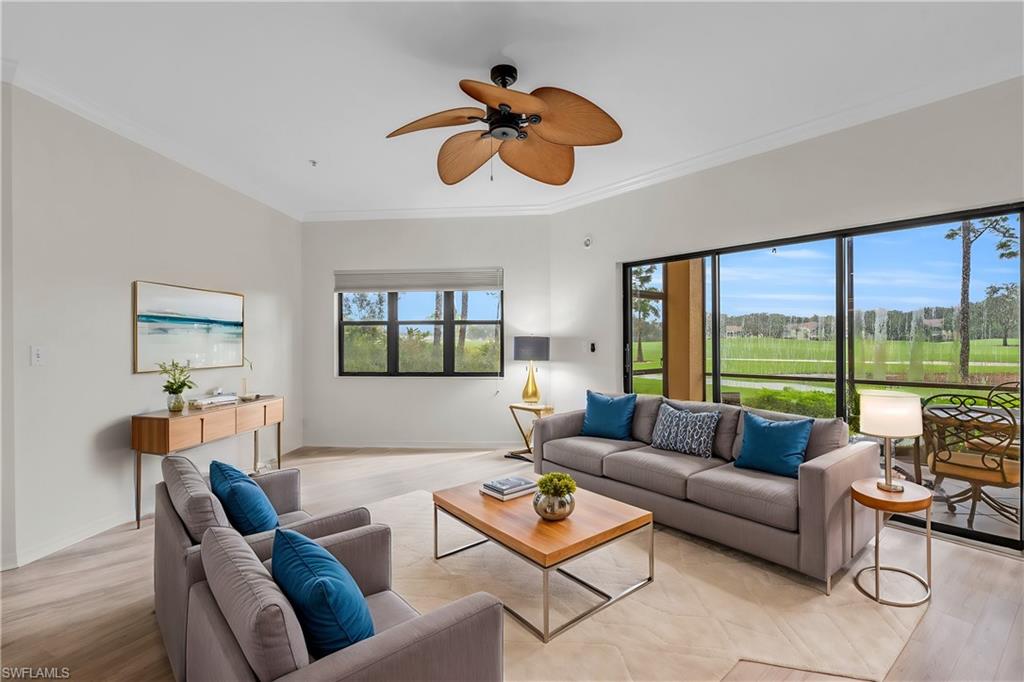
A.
pixel 275 411
pixel 218 425
pixel 249 417
pixel 185 432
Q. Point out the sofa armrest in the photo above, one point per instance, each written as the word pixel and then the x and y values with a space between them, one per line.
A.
pixel 561 425
pixel 315 527
pixel 824 498
pixel 283 489
pixel 460 641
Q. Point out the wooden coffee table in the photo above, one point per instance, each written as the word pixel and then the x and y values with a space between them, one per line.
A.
pixel 596 522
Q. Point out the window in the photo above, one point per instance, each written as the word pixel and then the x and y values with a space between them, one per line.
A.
pixel 421 333
pixel 929 306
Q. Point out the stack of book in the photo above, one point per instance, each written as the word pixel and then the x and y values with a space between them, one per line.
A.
pixel 213 401
pixel 509 488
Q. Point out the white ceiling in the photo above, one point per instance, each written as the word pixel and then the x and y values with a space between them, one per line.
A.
pixel 248 93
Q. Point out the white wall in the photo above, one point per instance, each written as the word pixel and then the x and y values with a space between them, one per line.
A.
pixel 416 410
pixel 90 213
pixel 959 153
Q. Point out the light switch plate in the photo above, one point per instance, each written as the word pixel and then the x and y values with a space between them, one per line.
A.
pixel 37 356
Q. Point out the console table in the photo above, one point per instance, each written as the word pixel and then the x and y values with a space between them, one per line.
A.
pixel 163 433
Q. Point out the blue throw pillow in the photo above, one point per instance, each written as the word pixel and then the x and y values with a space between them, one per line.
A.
pixel 775 447
pixel 247 506
pixel 330 606
pixel 609 417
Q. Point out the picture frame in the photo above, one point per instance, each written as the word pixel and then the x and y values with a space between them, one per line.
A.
pixel 204 327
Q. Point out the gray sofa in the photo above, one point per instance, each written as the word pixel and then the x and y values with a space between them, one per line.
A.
pixel 242 627
pixel 802 523
pixel 186 508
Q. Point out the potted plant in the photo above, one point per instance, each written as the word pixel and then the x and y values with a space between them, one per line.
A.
pixel 179 378
pixel 554 500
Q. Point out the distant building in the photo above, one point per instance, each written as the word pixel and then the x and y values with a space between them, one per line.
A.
pixel 733 330
pixel 801 330
pixel 935 330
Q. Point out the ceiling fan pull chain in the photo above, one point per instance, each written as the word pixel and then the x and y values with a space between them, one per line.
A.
pixel 492 159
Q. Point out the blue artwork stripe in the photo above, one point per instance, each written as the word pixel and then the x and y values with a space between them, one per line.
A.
pixel 177 319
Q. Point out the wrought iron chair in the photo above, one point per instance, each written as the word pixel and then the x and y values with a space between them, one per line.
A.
pixel 973 439
pixel 1006 395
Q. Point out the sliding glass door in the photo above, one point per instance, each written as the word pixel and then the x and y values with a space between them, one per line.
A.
pixel 930 306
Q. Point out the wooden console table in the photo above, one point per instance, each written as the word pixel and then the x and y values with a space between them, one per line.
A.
pixel 163 433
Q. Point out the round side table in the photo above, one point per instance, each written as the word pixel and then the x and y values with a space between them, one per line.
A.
pixel 913 498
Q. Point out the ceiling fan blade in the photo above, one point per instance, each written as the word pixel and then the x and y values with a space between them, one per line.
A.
pixel 463 153
pixel 539 159
pixel 493 96
pixel 451 117
pixel 574 120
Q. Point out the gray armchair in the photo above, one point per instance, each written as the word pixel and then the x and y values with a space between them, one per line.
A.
pixel 242 627
pixel 186 508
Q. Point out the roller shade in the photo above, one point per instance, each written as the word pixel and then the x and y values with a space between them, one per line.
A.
pixel 469 279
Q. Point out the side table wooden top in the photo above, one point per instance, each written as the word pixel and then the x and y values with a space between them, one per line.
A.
pixel 913 498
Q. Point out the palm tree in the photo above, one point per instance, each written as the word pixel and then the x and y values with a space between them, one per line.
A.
pixel 643 308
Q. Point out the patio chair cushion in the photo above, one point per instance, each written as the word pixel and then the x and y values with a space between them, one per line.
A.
pixel 747 493
pixel 660 471
pixel 584 453
pixel 196 505
pixel 259 615
pixel 969 466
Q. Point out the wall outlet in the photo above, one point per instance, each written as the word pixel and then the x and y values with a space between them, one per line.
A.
pixel 37 356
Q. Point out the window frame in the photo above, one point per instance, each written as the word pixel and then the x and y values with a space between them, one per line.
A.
pixel 448 325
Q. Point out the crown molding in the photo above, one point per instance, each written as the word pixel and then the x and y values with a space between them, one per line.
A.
pixel 426 213
pixel 15 75
pixel 952 85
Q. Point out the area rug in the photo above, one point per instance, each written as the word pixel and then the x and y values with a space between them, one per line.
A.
pixel 708 606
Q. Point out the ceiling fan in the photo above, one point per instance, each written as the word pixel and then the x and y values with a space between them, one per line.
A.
pixel 533 133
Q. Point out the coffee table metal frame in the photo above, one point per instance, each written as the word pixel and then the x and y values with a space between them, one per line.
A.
pixel 547 634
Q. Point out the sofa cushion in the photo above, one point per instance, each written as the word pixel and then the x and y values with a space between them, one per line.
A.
pixel 247 506
pixel 747 493
pixel 293 517
pixel 645 415
pixel 725 431
pixel 659 471
pixel 585 453
pixel 388 609
pixel 692 433
pixel 826 434
pixel 197 506
pixel 609 416
pixel 332 609
pixel 257 611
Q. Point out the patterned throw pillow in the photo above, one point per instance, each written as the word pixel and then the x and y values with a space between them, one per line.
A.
pixel 692 433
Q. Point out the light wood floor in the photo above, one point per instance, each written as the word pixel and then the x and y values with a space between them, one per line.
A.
pixel 90 607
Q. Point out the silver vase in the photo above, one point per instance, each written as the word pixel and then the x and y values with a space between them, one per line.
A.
pixel 553 508
pixel 175 402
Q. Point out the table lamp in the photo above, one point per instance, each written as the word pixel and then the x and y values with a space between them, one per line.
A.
pixel 531 348
pixel 888 415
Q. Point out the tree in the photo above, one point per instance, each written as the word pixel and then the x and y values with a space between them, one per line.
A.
pixel 1003 305
pixel 438 315
pixel 462 328
pixel 643 308
pixel 1008 246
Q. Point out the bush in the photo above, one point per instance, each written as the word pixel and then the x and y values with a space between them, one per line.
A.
pixel 807 403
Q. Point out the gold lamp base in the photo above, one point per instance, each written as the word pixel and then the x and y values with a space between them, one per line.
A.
pixel 531 393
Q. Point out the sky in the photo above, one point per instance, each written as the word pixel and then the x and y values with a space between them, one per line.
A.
pixel 419 305
pixel 900 270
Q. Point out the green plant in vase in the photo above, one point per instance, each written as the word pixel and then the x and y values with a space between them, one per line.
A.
pixel 554 500
pixel 179 379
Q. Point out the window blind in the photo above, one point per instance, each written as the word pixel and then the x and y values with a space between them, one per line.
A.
pixel 468 279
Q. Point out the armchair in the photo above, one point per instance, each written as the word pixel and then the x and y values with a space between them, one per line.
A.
pixel 185 508
pixel 242 627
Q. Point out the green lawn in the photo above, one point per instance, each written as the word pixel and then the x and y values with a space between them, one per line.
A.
pixel 935 361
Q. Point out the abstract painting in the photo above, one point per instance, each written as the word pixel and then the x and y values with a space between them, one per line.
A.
pixel 204 328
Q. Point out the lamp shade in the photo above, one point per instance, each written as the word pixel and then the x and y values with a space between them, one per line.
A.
pixel 890 414
pixel 530 347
